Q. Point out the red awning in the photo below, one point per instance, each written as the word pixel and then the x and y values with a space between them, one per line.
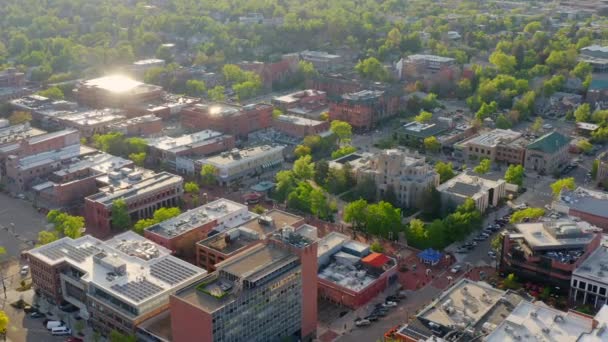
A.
pixel 375 259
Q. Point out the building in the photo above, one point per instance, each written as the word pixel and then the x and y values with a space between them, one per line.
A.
pixel 406 174
pixel 273 73
pixel 334 84
pixel 139 68
pixel 228 119
pixel 223 243
pixel 9 135
pixel 301 102
pixel 250 162
pixel 486 190
pixel 467 311
pixel 299 127
pixel 590 280
pixel 266 293
pixel 10 78
pixel 80 177
pixel 602 169
pixel 116 284
pixel 22 173
pixel 89 122
pixel 143 192
pixel 597 93
pixel 322 61
pixel 364 109
pixel 349 274
pixel 498 145
pixel 413 133
pixel 586 204
pixel 596 56
pixel 181 233
pixel 141 126
pixel 548 251
pixel 174 152
pixel 115 91
pixel 417 64
pixel 586 128
pixel 548 154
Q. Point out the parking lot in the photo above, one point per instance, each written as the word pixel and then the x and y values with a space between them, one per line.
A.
pixel 20 223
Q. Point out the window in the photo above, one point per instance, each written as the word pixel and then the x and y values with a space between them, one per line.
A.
pixel 602 291
pixel 582 285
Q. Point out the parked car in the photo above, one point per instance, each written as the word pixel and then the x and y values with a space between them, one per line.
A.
pixel 456 269
pixel 389 304
pixel 37 314
pixel 61 331
pixel 24 270
pixel 379 313
pixel 462 250
pixel 492 254
pixel 393 299
pixel 54 324
pixel 362 322
pixel 371 318
pixel 29 309
pixel 67 307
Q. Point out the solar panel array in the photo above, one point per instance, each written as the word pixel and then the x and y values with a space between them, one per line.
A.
pixel 137 290
pixel 66 250
pixel 170 271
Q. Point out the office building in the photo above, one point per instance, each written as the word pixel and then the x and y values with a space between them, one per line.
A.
pixel 140 67
pixel 323 61
pixel 302 101
pixel 224 243
pixel 590 280
pixel 499 145
pixel 548 154
pixel 181 233
pixel 486 190
pixel 143 191
pixel 141 126
pixel 364 109
pixel 116 284
pixel 349 274
pixel 299 127
pixel 586 204
pixel 249 162
pixel 228 119
pixel 548 251
pixel 175 152
pixel 115 91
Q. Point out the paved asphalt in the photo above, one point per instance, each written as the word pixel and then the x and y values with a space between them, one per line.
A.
pixel 19 224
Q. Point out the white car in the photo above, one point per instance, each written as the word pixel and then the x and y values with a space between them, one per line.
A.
pixel 389 304
pixel 24 270
pixel 456 269
pixel 362 322
pixel 492 254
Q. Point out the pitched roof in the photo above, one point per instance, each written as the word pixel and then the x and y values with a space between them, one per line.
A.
pixel 549 143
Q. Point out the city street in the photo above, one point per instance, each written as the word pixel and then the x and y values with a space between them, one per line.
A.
pixel 19 225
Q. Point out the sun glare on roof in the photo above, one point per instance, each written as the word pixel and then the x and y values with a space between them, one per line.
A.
pixel 116 83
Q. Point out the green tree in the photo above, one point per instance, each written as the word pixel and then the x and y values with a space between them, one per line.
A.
pixel 191 188
pixel 302 150
pixel 504 63
pixel 582 70
pixel 195 88
pixel 383 218
pixel 483 167
pixel 502 122
pixel 138 158
pixel 486 110
pixel 560 184
pixel 208 174
pixel 530 213
pixel 532 27
pixel 163 213
pixel 431 144
pixel 583 113
pixel 318 204
pixel 53 93
pixel 217 93
pixel 45 237
pixel 304 168
pixel 342 151
pixel 321 172
pixel 286 182
pixel 120 214
pixel 276 112
pixel 445 171
pixel 258 209
pixel 366 189
pixel 423 117
pixel 356 213
pixel 142 224
pixel 4 322
pixel 511 283
pixel 537 125
pixel 307 69
pixel 343 130
pixel 376 247
pixel 19 117
pixel 584 145
pixel 372 69
pixel 594 168
pixel 116 336
pixel 515 174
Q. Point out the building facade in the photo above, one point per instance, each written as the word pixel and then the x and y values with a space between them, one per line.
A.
pixel 548 154
pixel 141 126
pixel 364 109
pixel 590 280
pixel 115 91
pixel 228 119
pixel 299 127
pixel 499 145
pixel 586 204
pixel 485 190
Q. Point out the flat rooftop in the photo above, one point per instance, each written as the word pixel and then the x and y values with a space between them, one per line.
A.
pixel 494 138
pixel 319 54
pixel 556 234
pixel 297 96
pixel 331 241
pixel 101 162
pixel 430 58
pixel 219 210
pixel 128 267
pixel 538 322
pixel 44 158
pixel 586 201
pixel 13 133
pixel 595 267
pixel 231 240
pixel 217 109
pixel 147 183
pixel 117 84
pixel 469 184
pixel 219 289
pixel 240 155
pixel 271 221
pixel 363 95
pixel 133 121
pixel 93 117
pixel 423 130
pixel 187 141
pixel 298 120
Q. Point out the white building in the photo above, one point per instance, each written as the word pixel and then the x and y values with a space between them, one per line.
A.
pixel 589 281
pixel 482 189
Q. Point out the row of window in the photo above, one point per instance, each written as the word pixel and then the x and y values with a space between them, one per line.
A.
pixel 588 287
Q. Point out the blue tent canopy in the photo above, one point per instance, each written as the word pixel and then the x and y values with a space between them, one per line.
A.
pixel 430 255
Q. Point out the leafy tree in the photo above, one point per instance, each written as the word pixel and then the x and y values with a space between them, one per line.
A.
pixel 355 213
pixel 276 112
pixel 342 151
pixel 532 27
pixel 382 218
pixel 366 189
pixel 258 209
pixel 163 214
pixel 195 88
pixel 530 213
pixel 537 125
pixel 583 113
pixel 120 214
pixel 217 93
pixel 53 93
pixel 424 116
pixel 582 70
pixel 554 84
pixel 504 63
pixel 486 110
pixel 372 69
pixel 4 322
pixel 430 102
pixel 208 174
pixel 594 168
pixel 45 237
pixel 19 117
pixel 502 122
pixel 138 158
pixel 304 168
pixel 515 174
pixel 483 167
pixel 116 336
pixel 307 69
pixel 191 188
pixel 431 144
pixel 560 184
pixel 511 283
pixel 321 172
pixel 302 150
pixel 66 225
pixel 584 145
pixel 497 242
pixel 318 204
pixel 342 129
pixel 286 182
pixel 464 88
pixel 445 171
pixel 142 224
pixel 376 247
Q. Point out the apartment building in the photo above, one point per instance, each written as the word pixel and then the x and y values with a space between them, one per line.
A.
pixel 273 73
pixel 228 119
pixel 586 204
pixel 115 91
pixel 249 162
pixel 141 126
pixel 176 152
pixel 418 64
pixel 548 154
pixel 364 109
pixel 299 127
pixel 485 190
pixel 222 244
pixel 10 135
pixel 181 233
pixel 302 101
pixel 334 84
pixel 548 251
pixel 499 145
pixel 116 284
pixel 143 191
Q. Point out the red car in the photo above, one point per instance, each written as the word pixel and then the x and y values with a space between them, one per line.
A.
pixel 73 339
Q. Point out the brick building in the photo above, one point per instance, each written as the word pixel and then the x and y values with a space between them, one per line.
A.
pixel 141 126
pixel 586 204
pixel 12 78
pixel 499 145
pixel 273 73
pixel 115 91
pixel 181 233
pixel 364 109
pixel 334 84
pixel 301 101
pixel 143 191
pixel 89 122
pixel 299 127
pixel 228 119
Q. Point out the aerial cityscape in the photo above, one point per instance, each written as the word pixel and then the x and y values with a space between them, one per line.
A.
pixel 304 170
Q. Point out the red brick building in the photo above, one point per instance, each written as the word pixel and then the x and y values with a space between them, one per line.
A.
pixel 299 127
pixel 364 109
pixel 237 121
pixel 334 84
pixel 272 73
pixel 309 100
pixel 142 126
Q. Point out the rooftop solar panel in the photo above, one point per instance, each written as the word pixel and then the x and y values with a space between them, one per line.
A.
pixel 137 290
pixel 65 250
pixel 170 271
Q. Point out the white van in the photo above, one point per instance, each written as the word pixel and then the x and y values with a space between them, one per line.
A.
pixel 61 331
pixel 53 324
